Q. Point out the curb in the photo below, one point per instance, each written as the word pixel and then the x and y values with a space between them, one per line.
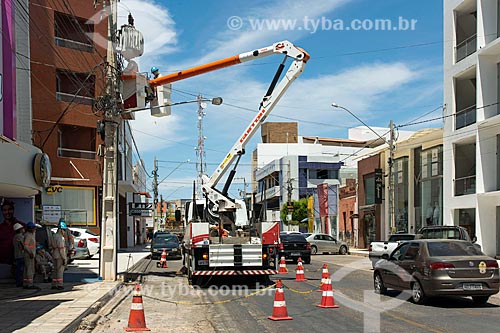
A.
pixel 94 308
pixel 358 253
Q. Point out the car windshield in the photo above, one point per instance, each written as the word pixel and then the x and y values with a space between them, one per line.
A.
pixel 307 235
pixel 445 249
pixel 166 239
pixel 292 237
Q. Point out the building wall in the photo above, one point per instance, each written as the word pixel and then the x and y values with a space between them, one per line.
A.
pixel 483 66
pixel 369 217
pixel 347 207
pixel 279 132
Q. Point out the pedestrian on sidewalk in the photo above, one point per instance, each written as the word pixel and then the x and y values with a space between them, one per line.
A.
pixel 59 253
pixel 29 256
pixel 44 263
pixel 18 244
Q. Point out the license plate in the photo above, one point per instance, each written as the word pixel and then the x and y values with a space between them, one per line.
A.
pixel 202 262
pixel 295 254
pixel 473 286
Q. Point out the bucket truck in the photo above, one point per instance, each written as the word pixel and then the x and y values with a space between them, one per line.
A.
pixel 245 256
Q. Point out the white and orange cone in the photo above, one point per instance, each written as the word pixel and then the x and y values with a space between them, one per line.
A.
pixel 136 319
pixel 279 309
pixel 163 260
pixel 299 273
pixel 327 300
pixel 324 275
pixel 282 268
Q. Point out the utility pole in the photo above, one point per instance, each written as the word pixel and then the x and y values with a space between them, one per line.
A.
pixel 391 177
pixel 109 226
pixel 155 194
pixel 201 165
pixel 289 188
pixel 161 210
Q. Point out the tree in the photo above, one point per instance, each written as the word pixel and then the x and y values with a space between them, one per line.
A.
pixel 299 212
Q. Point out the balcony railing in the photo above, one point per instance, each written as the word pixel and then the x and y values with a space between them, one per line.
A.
pixel 76 153
pixel 73 44
pixel 465 117
pixel 65 97
pixel 465 185
pixel 466 48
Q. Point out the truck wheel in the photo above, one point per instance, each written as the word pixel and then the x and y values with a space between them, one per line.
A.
pixel 314 249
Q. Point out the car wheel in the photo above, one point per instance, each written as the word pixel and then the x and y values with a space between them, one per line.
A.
pixel 480 300
pixel 417 293
pixel 307 260
pixel 314 249
pixel 378 284
pixel 343 250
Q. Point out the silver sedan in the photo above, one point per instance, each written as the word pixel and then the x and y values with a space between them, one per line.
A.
pixel 323 243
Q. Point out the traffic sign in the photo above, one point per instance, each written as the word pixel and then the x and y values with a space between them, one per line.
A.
pixel 139 209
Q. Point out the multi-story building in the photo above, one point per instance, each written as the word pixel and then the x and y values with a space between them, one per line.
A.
pixel 472 120
pixel 24 169
pixel 418 187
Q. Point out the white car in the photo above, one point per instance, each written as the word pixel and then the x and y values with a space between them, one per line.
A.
pixel 93 240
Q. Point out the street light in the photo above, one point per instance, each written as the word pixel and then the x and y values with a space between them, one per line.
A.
pixel 335 105
pixel 390 161
pixel 214 101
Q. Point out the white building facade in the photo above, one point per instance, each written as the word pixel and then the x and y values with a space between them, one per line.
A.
pixel 471 138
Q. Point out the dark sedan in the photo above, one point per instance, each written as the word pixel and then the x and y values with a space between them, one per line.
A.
pixel 436 267
pixel 294 246
pixel 169 242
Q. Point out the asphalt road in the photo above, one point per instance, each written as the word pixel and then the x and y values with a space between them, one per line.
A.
pixel 172 305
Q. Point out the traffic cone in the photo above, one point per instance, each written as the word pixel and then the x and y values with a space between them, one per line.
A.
pixel 279 310
pixel 136 319
pixel 327 300
pixel 324 275
pixel 299 273
pixel 163 260
pixel 282 269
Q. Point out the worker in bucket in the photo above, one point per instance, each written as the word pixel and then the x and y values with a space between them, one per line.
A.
pixel 59 254
pixel 29 256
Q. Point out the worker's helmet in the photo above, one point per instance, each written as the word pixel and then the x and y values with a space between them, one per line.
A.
pixel 154 69
pixel 62 225
pixel 31 225
pixel 18 226
pixel 38 248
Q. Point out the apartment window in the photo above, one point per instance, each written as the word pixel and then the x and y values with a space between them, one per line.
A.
pixel 323 174
pixel 70 84
pixel 467 219
pixel 465 100
pixel 466 31
pixel 73 32
pixel 465 169
pixel 77 142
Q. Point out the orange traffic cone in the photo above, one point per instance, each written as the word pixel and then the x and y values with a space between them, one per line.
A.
pixel 279 310
pixel 282 269
pixel 163 260
pixel 327 300
pixel 299 275
pixel 324 275
pixel 136 319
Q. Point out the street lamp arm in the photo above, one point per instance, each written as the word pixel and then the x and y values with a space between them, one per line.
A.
pixel 214 101
pixel 335 105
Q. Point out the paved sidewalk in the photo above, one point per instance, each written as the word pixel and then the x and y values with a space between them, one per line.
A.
pixel 48 311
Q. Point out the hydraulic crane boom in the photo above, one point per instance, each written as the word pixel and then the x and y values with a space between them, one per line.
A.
pixel 269 101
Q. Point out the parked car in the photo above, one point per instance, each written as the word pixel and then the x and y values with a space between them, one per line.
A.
pixel 437 267
pixel 383 249
pixel 167 241
pixel 93 239
pixel 82 250
pixel 323 243
pixel 294 246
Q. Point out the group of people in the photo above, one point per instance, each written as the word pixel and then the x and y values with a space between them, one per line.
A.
pixel 19 247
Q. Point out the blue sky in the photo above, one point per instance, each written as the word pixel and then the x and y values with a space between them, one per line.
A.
pixel 377 74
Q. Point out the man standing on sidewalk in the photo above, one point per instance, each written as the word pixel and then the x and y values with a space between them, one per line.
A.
pixel 29 256
pixel 59 254
pixel 19 253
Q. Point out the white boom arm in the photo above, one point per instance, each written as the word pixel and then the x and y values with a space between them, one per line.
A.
pixel 267 104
